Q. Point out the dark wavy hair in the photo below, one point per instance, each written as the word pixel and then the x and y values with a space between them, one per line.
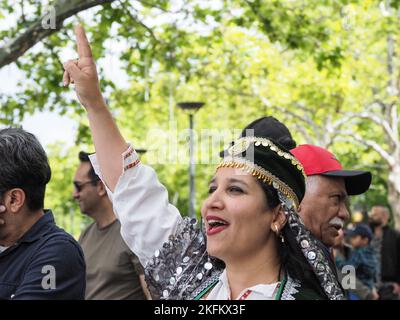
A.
pixel 23 164
pixel 84 157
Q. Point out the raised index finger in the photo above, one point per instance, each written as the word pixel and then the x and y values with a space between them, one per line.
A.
pixel 82 43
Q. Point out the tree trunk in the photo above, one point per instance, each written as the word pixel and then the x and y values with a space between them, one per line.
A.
pixel 36 32
pixel 394 194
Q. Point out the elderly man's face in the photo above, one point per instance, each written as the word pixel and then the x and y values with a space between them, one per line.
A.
pixel 323 208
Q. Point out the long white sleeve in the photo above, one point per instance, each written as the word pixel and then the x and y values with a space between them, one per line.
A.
pixel 141 204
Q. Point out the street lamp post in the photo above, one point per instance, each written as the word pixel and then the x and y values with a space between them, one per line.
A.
pixel 191 108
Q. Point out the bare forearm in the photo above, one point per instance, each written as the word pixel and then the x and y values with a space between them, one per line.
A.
pixel 108 141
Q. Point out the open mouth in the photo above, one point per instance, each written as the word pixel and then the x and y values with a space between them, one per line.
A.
pixel 337 227
pixel 215 225
pixel 336 223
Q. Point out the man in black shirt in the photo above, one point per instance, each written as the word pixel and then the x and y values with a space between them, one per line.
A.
pixel 38 260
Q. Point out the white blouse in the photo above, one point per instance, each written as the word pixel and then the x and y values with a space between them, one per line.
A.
pixel 221 291
pixel 141 204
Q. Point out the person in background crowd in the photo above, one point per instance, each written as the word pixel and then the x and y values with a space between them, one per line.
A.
pixel 328 186
pixel 362 256
pixel 386 242
pixel 354 290
pixel 38 260
pixel 324 207
pixel 113 272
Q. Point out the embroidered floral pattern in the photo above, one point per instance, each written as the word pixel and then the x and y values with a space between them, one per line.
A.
pixel 290 290
pixel 130 159
pixel 181 269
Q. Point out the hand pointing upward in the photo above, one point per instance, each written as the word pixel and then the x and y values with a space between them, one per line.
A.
pixel 82 72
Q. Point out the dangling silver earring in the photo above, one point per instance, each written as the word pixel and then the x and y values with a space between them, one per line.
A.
pixel 278 234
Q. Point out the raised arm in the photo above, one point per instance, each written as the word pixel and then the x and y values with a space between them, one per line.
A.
pixel 140 201
pixel 107 138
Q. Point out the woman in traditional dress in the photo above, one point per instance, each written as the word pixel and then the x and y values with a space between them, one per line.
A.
pixel 252 244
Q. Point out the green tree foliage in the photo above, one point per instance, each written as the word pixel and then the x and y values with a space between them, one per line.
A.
pixel 316 65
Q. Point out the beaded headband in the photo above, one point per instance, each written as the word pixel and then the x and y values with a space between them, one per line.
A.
pixel 270 163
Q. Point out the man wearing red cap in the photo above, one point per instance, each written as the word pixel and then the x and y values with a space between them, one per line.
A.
pixel 323 208
pixel 328 186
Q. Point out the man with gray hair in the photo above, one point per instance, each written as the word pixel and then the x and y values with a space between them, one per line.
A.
pixel 38 260
pixel 324 206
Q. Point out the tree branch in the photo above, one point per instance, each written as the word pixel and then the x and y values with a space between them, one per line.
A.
pixel 305 134
pixel 338 124
pixel 137 21
pixel 21 4
pixel 54 54
pixel 233 92
pixel 157 7
pixel 351 136
pixel 35 33
pixel 288 112
pixel 328 133
pixel 304 108
pixel 379 121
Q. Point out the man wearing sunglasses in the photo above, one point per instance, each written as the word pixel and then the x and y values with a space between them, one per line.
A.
pixel 112 271
pixel 38 260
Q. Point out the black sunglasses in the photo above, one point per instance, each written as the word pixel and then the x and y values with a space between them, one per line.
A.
pixel 79 185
